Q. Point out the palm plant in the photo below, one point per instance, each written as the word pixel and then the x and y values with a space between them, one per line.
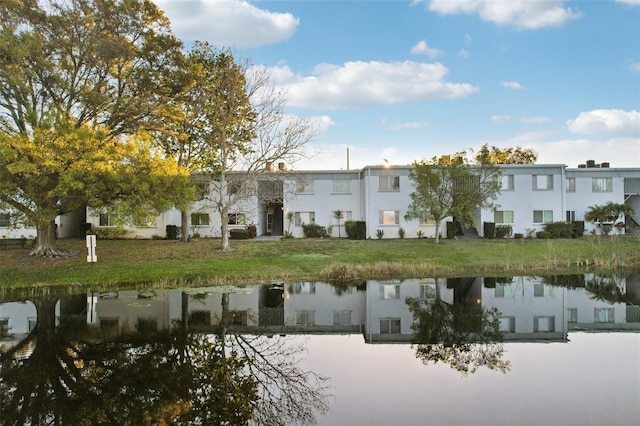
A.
pixel 608 213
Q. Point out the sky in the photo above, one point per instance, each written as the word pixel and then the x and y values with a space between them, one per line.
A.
pixel 399 81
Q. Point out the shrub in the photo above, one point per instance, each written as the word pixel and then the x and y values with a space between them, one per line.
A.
pixel 578 228
pixel 559 229
pixel 361 230
pixel 518 236
pixel 380 234
pixel 420 234
pixel 313 230
pixel 503 231
pixel 252 231
pixel 401 233
pixel 544 235
pixel 239 234
pixel 350 229
pixel 109 232
pixel 451 230
pixel 489 229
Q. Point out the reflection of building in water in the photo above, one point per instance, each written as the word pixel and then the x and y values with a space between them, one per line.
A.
pixel 531 308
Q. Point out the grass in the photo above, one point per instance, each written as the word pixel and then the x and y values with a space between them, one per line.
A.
pixel 130 262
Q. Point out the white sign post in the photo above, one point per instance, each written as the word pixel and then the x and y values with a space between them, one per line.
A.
pixel 91 248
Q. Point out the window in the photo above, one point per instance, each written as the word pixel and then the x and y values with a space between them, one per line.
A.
pixel 341 187
pixel 107 219
pixel 341 317
pixel 507 183
pixel 147 325
pixel 542 216
pixel 199 317
pixel 503 216
pixel 542 290
pixel 389 325
pixel 570 185
pixel 507 324
pixel 199 219
pixel 542 182
pixel 346 215
pixel 304 218
pixel 389 183
pixel 542 324
pixel 571 215
pixel 603 314
pixel 303 288
pixel 601 185
pixel 146 221
pixel 305 317
pixel 234 186
pixel 5 220
pixel 572 315
pixel 426 218
pixel 390 291
pixel 503 290
pixel 428 291
pixel 4 327
pixel 389 217
pixel 202 190
pixel 304 187
pixel 237 219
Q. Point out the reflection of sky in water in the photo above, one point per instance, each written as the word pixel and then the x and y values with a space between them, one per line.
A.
pixel 593 379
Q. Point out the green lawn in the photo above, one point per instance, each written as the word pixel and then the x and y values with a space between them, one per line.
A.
pixel 255 261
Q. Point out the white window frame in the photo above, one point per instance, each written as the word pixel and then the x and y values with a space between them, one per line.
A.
pixel 544 214
pixel 304 218
pixel 603 315
pixel 149 221
pixel 601 184
pixel 384 218
pixel 390 183
pixel 237 219
pixel 542 182
pixel 570 184
pixel 196 219
pixel 346 216
pixel 390 325
pixel 341 186
pixel 505 216
pixel 342 318
pixel 507 324
pixel 507 183
pixel 306 317
pixel 570 216
pixel 107 220
pixel 426 218
pixel 572 315
pixel 389 291
pixel 428 291
pixel 549 321
pixel 304 186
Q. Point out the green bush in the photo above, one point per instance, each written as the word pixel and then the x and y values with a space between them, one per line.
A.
pixel 503 231
pixel 361 229
pixel 578 228
pixel 544 235
pixel 401 233
pixel 108 232
pixel 559 229
pixel 518 236
pixel 313 230
pixel 380 234
pixel 489 229
pixel 239 234
pixel 350 229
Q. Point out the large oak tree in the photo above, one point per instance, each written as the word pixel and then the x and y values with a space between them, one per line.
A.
pixel 78 79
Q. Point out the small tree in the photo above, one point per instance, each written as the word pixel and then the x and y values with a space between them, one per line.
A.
pixel 607 214
pixel 338 215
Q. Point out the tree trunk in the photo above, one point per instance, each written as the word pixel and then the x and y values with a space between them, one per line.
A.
pixel 224 215
pixel 46 242
pixel 438 221
pixel 184 224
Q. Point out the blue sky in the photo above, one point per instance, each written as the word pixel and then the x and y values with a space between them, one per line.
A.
pixel 406 80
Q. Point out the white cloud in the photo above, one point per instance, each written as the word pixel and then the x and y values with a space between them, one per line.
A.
pixel 497 119
pixel 635 66
pixel 334 157
pixel 619 152
pixel 629 2
pixel 512 85
pixel 533 120
pixel 521 14
pixel 402 125
pixel 422 48
pixel 463 53
pixel 357 84
pixel 229 23
pixel 606 121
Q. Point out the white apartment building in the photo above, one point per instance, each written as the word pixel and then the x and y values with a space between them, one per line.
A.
pixel 282 201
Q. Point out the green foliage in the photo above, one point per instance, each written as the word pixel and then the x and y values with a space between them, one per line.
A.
pixel 380 233
pixel 239 234
pixel 108 232
pixel 495 155
pixel 338 215
pixel 503 231
pixel 452 227
pixel 544 235
pixel 518 236
pixel 314 230
pixel 489 229
pixel 560 229
pixel 356 229
pixel 578 228
pixel 401 233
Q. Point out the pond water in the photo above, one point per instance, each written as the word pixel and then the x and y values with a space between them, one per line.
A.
pixel 525 350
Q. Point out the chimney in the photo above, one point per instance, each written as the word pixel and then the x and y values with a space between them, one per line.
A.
pixel 269 166
pixel 282 167
pixel 604 165
pixel 590 164
pixel 582 166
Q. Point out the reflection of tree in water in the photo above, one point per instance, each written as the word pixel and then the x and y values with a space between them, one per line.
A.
pixel 58 375
pixel 464 335
pixel 608 288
